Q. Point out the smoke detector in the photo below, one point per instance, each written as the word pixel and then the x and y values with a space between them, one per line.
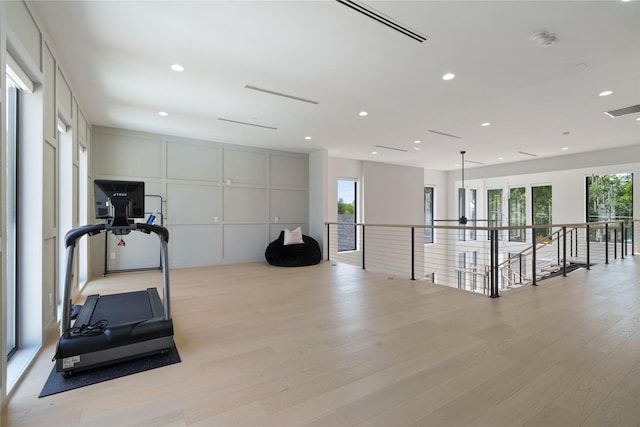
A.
pixel 543 38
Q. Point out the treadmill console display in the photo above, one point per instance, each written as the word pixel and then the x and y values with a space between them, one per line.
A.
pixel 118 201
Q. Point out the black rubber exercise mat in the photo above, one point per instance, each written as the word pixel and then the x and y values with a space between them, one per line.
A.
pixel 57 384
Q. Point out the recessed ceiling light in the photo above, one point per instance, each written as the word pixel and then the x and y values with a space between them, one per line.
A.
pixel 307 137
pixel 448 76
pixel 416 148
pixel 363 113
pixel 485 124
pixel 177 67
pixel 417 142
pixel 374 152
pixel 564 148
pixel 638 118
pixel 500 158
pixel 605 93
pixel 163 113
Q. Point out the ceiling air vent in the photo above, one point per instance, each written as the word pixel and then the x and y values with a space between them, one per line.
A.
pixel 247 123
pixel 378 16
pixel 527 154
pixel 273 92
pixel 444 134
pixel 623 111
pixel 391 148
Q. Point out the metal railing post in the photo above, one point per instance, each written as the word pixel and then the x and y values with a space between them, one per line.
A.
pixel 588 250
pixel 633 239
pixel 494 264
pixel 492 261
pixel 497 282
pixel 571 243
pixel 363 265
pixel 413 254
pixel 520 268
pixel 533 262
pixel 328 242
pixel 615 243
pixel 564 251
pixel 621 240
pixel 606 243
pixel 558 258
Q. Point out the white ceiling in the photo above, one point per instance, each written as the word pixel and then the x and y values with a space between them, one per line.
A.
pixel 116 55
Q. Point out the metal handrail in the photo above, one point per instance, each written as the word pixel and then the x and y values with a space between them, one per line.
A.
pixel 486 228
pixel 494 271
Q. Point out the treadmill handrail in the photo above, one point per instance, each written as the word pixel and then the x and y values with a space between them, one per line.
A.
pixel 92 229
pixel 73 235
pixel 158 229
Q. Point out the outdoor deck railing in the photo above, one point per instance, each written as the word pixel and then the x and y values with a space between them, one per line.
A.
pixel 475 258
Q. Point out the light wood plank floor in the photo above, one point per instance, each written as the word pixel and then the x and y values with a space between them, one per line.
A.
pixel 333 345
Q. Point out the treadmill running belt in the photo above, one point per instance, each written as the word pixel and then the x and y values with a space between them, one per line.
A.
pixel 123 308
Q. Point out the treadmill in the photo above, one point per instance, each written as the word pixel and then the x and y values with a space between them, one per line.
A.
pixel 114 328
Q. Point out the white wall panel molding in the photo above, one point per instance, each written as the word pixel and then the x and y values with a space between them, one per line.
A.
pixel 244 166
pixel 192 161
pixel 288 171
pixel 49 71
pixel 63 97
pixel 24 37
pixel 127 155
pixel 211 220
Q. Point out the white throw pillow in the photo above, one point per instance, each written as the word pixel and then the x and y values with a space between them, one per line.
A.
pixel 293 237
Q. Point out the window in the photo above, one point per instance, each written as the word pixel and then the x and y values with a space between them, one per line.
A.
pixel 473 217
pixel 428 214
pixel 347 213
pixel 462 210
pixel 494 206
pixel 462 274
pixel 24 208
pixel 473 267
pixel 467 269
pixel 609 198
pixel 517 214
pixel 12 216
pixel 541 212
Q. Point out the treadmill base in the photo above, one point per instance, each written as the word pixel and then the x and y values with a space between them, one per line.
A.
pixel 81 362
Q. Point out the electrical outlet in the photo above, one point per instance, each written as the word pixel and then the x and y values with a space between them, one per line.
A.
pixel 113 255
pixel 50 299
pixel 215 219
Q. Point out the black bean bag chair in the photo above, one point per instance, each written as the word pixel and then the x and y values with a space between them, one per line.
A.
pixel 296 255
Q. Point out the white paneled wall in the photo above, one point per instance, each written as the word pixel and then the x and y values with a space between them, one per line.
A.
pixel 244 205
pixel 245 167
pixel 192 162
pixel 128 155
pixel 223 203
pixel 24 37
